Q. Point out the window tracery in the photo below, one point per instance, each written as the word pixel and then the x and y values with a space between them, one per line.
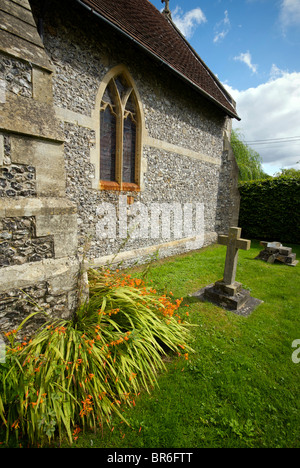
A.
pixel 119 135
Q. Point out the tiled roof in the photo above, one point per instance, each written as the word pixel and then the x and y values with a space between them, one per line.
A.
pixel 150 29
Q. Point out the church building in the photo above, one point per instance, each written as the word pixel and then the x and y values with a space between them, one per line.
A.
pixel 114 146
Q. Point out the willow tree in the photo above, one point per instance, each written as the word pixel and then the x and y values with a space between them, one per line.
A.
pixel 248 160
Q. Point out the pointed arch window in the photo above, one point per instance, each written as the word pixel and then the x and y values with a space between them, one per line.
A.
pixel 120 141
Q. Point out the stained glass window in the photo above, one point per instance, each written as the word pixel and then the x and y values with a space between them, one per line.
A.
pixel 121 85
pixel 108 96
pixel 130 105
pixel 118 132
pixel 129 146
pixel 108 145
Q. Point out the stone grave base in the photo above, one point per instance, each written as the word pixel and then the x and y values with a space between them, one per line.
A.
pixel 230 297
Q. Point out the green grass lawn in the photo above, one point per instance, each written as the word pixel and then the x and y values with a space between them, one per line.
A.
pixel 240 388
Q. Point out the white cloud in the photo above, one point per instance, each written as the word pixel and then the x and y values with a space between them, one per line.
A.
pixel 188 22
pixel 272 111
pixel 276 72
pixel 290 13
pixel 247 59
pixel 222 28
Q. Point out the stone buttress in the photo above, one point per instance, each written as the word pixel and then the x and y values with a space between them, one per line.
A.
pixel 38 224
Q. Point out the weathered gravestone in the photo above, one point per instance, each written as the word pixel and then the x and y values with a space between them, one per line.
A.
pixel 276 252
pixel 228 293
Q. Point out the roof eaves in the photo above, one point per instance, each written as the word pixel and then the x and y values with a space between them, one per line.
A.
pixel 147 49
pixel 218 83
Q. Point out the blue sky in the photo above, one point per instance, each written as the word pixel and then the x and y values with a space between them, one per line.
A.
pixel 253 46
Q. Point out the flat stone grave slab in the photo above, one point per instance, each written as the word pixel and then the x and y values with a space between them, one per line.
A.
pixel 275 252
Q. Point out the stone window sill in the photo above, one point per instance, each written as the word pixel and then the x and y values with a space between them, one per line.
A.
pixel 123 187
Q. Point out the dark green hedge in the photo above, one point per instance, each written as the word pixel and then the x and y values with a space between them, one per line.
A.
pixel 270 209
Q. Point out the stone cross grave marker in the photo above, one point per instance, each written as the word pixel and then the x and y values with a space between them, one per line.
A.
pixel 228 293
pixel 234 243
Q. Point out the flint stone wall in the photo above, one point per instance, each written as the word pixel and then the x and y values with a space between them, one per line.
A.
pixel 17 304
pixel 19 243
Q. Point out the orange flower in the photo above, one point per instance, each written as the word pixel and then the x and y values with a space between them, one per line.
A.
pixel 16 424
pixel 132 376
pixel 87 406
pixel 75 432
pixel 12 332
